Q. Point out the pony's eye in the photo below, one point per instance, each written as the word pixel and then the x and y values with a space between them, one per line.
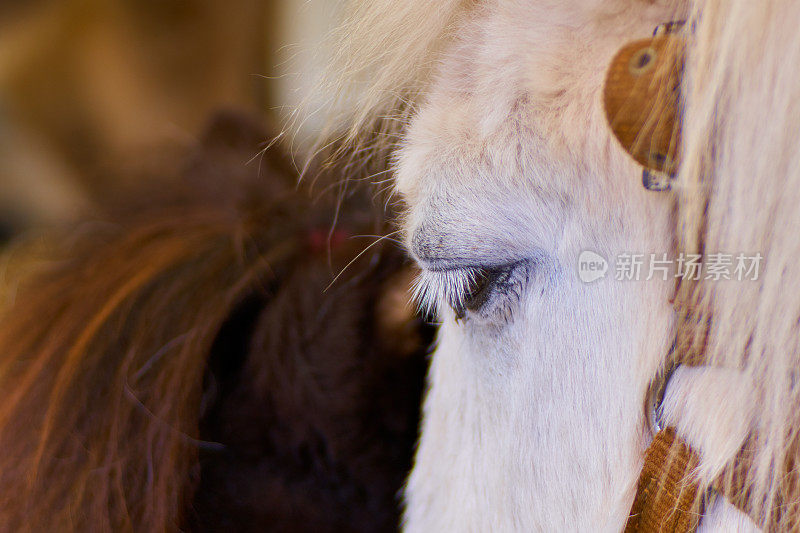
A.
pixel 490 293
pixel 493 292
pixel 475 292
pixel 481 289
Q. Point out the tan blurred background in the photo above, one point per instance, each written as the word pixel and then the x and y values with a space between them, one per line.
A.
pixel 95 94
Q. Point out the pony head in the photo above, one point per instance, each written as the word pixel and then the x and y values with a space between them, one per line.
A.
pixel 510 175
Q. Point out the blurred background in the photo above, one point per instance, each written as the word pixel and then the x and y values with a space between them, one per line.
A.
pixel 96 95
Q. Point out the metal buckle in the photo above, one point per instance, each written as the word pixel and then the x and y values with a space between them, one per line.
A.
pixel 656 397
pixel 656 181
pixel 672 26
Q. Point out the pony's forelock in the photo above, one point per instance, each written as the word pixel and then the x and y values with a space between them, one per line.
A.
pixel 384 55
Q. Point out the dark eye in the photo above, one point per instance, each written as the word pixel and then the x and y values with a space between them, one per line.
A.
pixel 481 289
pixel 494 290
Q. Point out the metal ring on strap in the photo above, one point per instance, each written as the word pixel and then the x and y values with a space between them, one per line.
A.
pixel 656 398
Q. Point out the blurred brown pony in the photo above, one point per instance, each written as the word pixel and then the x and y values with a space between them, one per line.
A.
pixel 186 363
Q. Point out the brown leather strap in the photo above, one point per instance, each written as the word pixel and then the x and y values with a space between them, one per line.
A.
pixel 667 497
pixel 641 100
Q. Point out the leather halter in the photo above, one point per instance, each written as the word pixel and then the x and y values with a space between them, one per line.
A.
pixel 642 100
pixel 642 105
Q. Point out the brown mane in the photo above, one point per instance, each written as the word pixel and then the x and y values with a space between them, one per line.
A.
pixel 182 365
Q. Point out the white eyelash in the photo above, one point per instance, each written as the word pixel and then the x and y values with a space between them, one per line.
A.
pixel 450 287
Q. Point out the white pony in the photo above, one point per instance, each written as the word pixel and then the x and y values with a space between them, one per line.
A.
pixel 534 419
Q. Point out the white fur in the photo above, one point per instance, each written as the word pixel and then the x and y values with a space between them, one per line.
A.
pixel 722 517
pixel 713 410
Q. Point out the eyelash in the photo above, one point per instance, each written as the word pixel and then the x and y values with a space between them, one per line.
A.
pixel 490 293
pixel 449 287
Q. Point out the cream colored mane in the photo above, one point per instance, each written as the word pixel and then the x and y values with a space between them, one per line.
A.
pixel 742 149
pixel 424 74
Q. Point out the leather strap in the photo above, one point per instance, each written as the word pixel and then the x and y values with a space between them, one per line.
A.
pixel 667 494
pixel 642 98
